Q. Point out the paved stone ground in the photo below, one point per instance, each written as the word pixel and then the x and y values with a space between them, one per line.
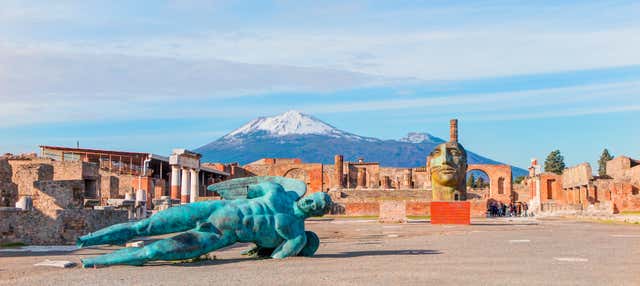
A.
pixel 360 252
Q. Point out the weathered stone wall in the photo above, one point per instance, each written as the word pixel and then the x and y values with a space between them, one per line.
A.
pixel 67 170
pixel 363 202
pixel 500 184
pixel 418 208
pixel 109 187
pixel 576 176
pixel 25 174
pixel 52 196
pixel 310 173
pixel 521 193
pixel 397 176
pixel 421 179
pixel 624 169
pixel 585 194
pixel 125 182
pixel 625 197
pixel 371 173
pixel 350 195
pixel 551 187
pixel 6 182
pixel 361 208
pixel 328 177
pixel 60 227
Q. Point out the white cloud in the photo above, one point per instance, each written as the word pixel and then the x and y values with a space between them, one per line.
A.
pixel 435 55
pixel 606 94
pixel 102 76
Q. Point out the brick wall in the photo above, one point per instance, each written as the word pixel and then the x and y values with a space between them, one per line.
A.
pixel 450 213
pixel 417 202
pixel 362 209
pixel 418 208
pixel 310 173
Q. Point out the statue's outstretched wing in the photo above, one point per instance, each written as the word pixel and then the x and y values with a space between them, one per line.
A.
pixel 239 188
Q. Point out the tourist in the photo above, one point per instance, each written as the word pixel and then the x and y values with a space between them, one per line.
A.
pixel 526 209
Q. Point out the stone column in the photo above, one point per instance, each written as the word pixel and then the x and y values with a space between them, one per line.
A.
pixel 360 179
pixel 453 130
pixel 407 179
pixel 338 169
pixel 175 182
pixel 184 188
pixel 195 187
pixel 385 182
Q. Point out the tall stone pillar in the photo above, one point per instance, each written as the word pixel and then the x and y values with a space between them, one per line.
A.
pixel 407 178
pixel 338 169
pixel 385 182
pixel 453 130
pixel 195 187
pixel 175 182
pixel 184 190
pixel 360 179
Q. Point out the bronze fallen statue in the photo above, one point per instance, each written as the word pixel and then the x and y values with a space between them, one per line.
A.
pixel 267 211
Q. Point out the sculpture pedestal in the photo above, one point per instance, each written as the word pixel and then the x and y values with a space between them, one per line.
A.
pixel 451 212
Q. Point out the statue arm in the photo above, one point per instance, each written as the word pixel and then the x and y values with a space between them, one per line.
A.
pixel 294 237
pixel 290 247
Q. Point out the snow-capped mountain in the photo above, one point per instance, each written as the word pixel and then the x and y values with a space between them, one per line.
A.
pixel 297 135
pixel 288 123
pixel 418 137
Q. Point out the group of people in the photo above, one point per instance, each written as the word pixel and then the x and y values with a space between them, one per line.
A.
pixel 499 209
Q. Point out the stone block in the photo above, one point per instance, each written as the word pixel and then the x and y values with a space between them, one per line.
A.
pixel 56 263
pixel 393 212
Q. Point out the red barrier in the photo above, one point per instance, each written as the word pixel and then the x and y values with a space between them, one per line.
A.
pixel 450 213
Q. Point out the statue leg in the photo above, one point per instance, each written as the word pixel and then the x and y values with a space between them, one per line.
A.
pixel 172 220
pixel 186 245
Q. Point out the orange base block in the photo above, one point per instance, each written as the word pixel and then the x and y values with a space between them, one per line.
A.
pixel 450 213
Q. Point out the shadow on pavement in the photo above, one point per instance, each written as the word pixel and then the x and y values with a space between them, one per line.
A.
pixel 202 263
pixel 55 253
pixel 329 255
pixel 377 253
pixel 503 223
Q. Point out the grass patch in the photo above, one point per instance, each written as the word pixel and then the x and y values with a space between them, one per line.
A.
pixel 630 213
pixel 12 245
pixel 605 221
pixel 351 217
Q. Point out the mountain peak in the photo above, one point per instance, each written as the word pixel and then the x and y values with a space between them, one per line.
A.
pixel 421 137
pixel 292 122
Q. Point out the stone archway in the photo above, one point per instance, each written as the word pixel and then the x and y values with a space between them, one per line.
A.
pixel 479 188
pixel 298 174
pixel 500 186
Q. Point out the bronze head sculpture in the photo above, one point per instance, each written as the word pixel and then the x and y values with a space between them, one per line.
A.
pixel 448 169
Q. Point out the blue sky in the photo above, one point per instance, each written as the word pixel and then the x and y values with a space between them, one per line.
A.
pixel 524 78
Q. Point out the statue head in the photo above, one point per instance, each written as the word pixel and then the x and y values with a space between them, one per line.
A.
pixel 316 204
pixel 448 169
